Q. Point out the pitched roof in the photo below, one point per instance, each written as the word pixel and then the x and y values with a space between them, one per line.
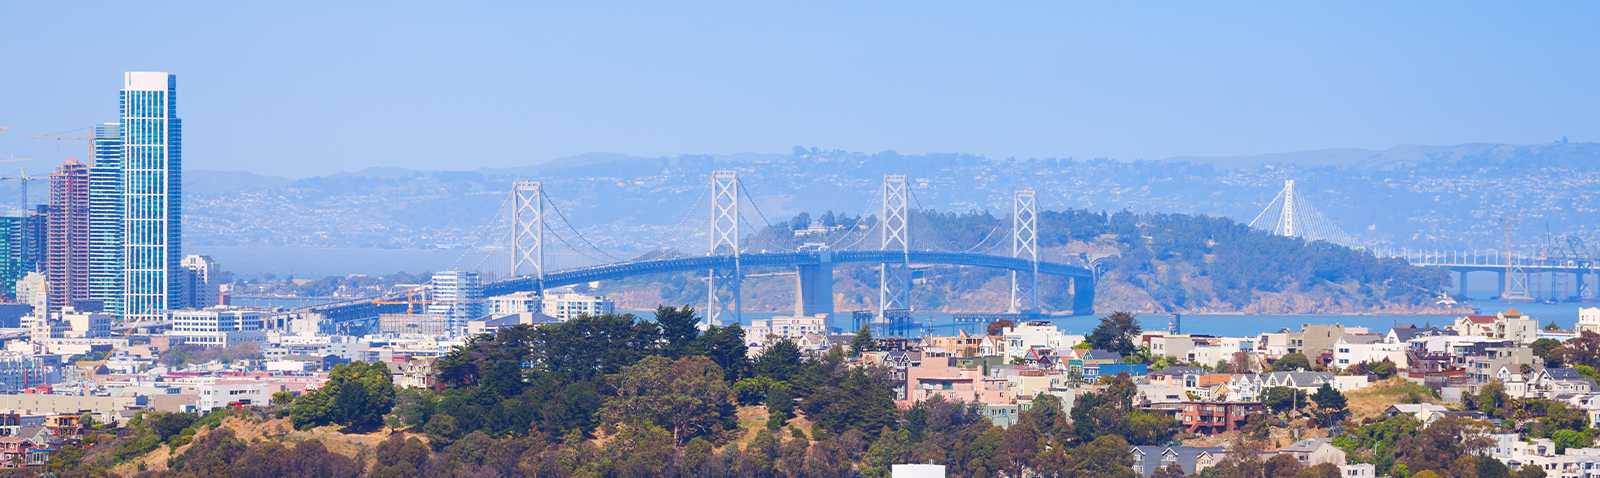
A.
pixel 1564 373
pixel 1512 312
pixel 1481 319
pixel 1101 355
pixel 1305 446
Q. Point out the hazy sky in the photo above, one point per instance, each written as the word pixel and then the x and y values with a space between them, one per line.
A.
pixel 307 89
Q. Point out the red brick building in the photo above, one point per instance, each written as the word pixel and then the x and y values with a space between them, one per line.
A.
pixel 1210 418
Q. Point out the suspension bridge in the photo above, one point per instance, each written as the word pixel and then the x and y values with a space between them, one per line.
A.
pixel 886 239
pixel 1560 268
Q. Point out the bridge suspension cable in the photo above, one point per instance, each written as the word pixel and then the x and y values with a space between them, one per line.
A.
pixel 1290 214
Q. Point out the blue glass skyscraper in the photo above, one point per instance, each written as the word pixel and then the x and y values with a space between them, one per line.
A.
pixel 152 195
pixel 105 218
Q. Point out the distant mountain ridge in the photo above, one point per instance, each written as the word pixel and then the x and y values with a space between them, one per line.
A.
pixel 1433 197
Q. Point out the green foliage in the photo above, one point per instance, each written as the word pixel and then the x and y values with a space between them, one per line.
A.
pixel 1383 370
pixel 1115 333
pixel 1284 399
pixel 218 453
pixel 687 397
pixel 1565 439
pixel 1330 404
pixel 357 395
pixel 1550 350
pixel 856 398
pixel 862 342
pixel 1111 412
pixel 752 391
pixel 679 328
pixel 191 354
pixel 780 362
pixel 780 405
pixel 1291 362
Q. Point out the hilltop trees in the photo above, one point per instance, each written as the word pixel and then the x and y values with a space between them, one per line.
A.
pixel 357 395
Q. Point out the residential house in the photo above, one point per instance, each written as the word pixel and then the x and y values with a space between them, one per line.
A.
pixel 1314 452
pixel 1210 418
pixel 1148 459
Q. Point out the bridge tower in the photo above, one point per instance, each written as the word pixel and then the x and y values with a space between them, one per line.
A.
pixel 723 285
pixel 527 230
pixel 894 279
pixel 1025 245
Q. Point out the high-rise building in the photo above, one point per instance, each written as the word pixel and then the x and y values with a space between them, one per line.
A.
pixel 458 295
pixel 105 218
pixel 67 239
pixel 152 195
pixel 21 248
pixel 201 277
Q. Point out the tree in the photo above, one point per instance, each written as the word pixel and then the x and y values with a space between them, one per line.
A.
pixel 679 328
pixel 780 405
pixel 862 342
pixel 1582 350
pixel 1282 465
pixel 726 347
pixel 1565 439
pixel 1550 350
pixel 356 395
pixel 282 398
pixel 1552 326
pixel 687 397
pixel 1330 404
pixel 1284 399
pixel 780 362
pixel 1384 370
pixel 999 326
pixel 1291 362
pixel 1115 333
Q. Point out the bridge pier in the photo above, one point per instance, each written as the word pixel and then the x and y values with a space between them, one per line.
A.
pixel 813 287
pixel 1502 289
pixel 1082 296
pixel 1461 285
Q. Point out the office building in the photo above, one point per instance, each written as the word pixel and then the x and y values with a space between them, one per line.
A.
pixel 152 195
pixel 416 324
pixel 105 218
pixel 459 296
pixel 33 290
pixel 22 237
pixel 567 304
pixel 67 239
pixel 202 279
pixel 218 326
pixel 514 303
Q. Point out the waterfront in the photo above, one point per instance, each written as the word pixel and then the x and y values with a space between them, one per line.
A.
pixel 1564 315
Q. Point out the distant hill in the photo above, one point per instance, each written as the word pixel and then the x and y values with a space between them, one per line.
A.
pixel 1433 197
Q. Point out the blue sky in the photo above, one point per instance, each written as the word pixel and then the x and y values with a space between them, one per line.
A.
pixel 301 89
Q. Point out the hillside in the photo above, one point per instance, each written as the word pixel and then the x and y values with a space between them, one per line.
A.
pixel 1149 263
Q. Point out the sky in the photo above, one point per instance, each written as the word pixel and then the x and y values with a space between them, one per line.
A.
pixel 313 88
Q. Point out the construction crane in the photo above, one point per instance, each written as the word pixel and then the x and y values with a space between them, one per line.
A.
pixel 51 136
pixel 23 177
pixel 3 128
pixel 15 159
pixel 412 300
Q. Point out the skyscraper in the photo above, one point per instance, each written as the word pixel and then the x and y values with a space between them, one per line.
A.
pixel 152 195
pixel 105 219
pixel 459 295
pixel 67 239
